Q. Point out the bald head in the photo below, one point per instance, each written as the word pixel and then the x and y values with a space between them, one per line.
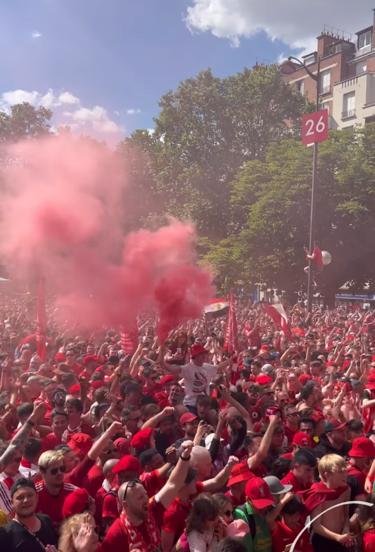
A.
pixel 109 465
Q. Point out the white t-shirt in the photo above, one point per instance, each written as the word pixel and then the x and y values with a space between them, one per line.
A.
pixel 196 380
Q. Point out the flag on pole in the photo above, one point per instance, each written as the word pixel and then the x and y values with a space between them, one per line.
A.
pixel 231 335
pixel 277 313
pixel 41 321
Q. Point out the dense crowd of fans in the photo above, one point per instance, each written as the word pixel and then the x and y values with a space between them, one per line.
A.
pixel 183 446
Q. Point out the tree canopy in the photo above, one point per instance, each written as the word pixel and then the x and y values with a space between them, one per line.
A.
pixel 270 203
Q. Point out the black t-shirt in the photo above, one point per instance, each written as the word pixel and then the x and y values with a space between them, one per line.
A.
pixel 15 537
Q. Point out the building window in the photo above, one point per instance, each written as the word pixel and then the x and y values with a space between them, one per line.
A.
pixel 364 40
pixel 348 108
pixel 360 68
pixel 325 82
pixel 311 58
pixel 300 85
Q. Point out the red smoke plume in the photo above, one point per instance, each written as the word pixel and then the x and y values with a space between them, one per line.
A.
pixel 62 214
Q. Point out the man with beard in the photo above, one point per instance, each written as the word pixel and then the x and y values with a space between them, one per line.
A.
pixel 28 530
pixel 138 526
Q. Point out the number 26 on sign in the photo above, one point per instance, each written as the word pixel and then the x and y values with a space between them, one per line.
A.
pixel 314 127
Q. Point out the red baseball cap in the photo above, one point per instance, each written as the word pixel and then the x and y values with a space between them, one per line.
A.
pixel 197 349
pixel 362 447
pixel 258 493
pixel 122 445
pixel 128 463
pixel 80 443
pixel 263 379
pixel 168 378
pixel 76 502
pixel 141 440
pixel 187 418
pixel 301 439
pixel 240 472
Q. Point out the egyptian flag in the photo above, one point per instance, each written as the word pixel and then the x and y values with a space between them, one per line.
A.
pixel 278 315
pixel 231 334
pixel 41 321
pixel 216 308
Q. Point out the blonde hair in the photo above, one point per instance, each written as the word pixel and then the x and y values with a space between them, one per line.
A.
pixel 49 457
pixel 70 528
pixel 330 463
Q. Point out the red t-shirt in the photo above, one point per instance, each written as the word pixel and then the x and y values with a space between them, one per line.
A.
pixel 50 441
pixel 94 479
pixel 174 518
pixel 116 538
pixel 290 479
pixel 282 535
pixel 152 482
pixel 359 476
pixel 289 433
pixel 110 506
pixel 78 475
pixel 368 541
pixel 52 505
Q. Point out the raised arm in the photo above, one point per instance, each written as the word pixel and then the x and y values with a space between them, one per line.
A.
pixel 177 478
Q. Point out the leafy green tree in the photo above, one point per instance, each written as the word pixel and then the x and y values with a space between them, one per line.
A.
pixel 24 121
pixel 207 129
pixel 270 202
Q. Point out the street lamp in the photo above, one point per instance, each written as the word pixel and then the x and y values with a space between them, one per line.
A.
pixel 316 78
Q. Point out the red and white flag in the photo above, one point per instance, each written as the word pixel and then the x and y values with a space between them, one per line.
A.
pixel 231 335
pixel 277 313
pixel 41 321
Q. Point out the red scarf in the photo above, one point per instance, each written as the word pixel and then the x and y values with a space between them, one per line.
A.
pixel 145 537
pixel 320 493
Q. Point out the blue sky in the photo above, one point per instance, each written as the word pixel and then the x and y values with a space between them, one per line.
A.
pixel 120 56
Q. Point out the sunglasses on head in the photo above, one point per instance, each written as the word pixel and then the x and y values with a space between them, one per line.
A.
pixel 55 471
pixel 131 485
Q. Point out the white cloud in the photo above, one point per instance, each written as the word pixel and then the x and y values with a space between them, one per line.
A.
pixel 67 110
pixel 97 118
pixel 36 34
pixel 133 111
pixel 19 96
pixel 68 98
pixel 295 22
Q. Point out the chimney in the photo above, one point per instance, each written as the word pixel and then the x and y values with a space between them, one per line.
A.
pixel 324 41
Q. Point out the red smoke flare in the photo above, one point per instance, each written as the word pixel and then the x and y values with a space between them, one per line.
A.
pixel 62 213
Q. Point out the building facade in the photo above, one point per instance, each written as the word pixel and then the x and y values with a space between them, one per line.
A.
pixel 346 85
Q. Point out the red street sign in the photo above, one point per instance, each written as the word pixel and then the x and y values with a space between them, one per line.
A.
pixel 314 127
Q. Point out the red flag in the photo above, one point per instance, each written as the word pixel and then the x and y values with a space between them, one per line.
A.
pixel 231 335
pixel 41 321
pixel 129 341
pixel 317 258
pixel 277 313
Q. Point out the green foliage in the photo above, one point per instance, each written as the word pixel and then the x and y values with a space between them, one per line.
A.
pixel 206 130
pixel 24 121
pixel 270 204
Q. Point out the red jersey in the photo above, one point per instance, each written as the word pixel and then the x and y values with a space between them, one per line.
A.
pixel 298 487
pixel 359 476
pixel 52 505
pixel 368 541
pixel 117 537
pixel 152 482
pixel 174 518
pixel 282 535
pixel 94 479
pixel 50 441
pixel 78 475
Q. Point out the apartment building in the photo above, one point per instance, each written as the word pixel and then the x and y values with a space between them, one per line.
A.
pixel 346 84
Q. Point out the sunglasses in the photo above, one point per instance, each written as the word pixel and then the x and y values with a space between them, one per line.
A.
pixel 55 471
pixel 131 485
